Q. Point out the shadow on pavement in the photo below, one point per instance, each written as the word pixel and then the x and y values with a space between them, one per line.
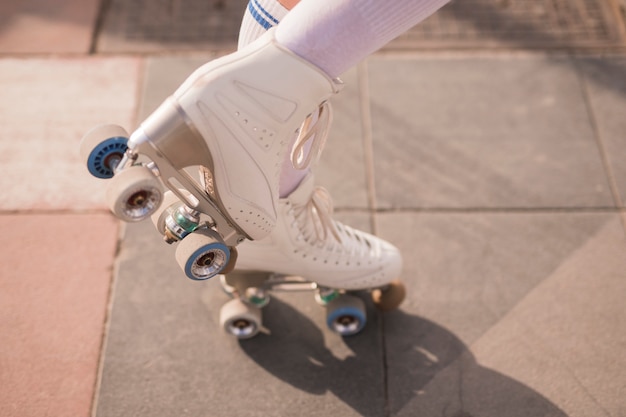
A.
pixel 431 374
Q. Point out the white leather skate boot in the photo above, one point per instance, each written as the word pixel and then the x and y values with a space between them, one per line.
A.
pixel 308 243
pixel 235 117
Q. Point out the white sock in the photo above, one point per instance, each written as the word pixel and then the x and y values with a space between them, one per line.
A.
pixel 336 34
pixel 261 15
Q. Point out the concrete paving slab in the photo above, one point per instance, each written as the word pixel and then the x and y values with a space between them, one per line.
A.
pixel 465 387
pixel 520 137
pixel 566 338
pixel 46 106
pixel 342 168
pixel 166 354
pixel 54 287
pixel 528 24
pixel 41 26
pixel 146 26
pixel 606 81
pixel 467 270
pixel 464 273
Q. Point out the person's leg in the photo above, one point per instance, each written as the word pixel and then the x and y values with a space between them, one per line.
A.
pixel 336 34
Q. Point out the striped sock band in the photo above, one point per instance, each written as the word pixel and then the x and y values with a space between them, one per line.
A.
pixel 260 16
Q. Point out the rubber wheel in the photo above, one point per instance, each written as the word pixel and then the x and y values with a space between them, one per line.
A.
pixel 202 254
pixel 134 193
pixel 389 297
pixel 346 315
pixel 232 262
pixel 102 148
pixel 240 319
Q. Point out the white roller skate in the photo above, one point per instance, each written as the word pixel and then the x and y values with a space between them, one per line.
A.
pixel 308 250
pixel 233 117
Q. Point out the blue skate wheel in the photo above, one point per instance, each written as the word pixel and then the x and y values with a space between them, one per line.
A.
pixel 202 254
pixel 105 156
pixel 346 315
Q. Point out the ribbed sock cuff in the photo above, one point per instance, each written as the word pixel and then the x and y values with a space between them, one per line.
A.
pixel 260 16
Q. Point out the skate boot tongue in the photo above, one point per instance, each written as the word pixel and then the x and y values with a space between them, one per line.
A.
pixel 313 210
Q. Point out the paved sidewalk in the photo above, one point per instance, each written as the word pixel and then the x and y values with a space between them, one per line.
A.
pixel 499 173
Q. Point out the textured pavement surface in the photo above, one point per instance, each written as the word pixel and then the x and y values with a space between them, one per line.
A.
pixel 499 173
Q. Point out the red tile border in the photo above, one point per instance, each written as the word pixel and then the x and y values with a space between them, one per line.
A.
pixel 54 284
pixel 42 26
pixel 46 106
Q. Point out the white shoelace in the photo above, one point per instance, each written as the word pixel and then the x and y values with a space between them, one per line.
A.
pixel 314 128
pixel 318 213
pixel 315 217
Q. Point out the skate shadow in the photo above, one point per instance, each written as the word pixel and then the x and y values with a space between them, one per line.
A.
pixel 427 371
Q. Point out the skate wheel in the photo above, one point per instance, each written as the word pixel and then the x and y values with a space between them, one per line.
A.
pixel 202 254
pixel 232 262
pixel 389 297
pixel 102 148
pixel 240 319
pixel 134 193
pixel 346 315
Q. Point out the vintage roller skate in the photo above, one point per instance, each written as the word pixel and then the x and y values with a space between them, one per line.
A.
pixel 233 118
pixel 308 250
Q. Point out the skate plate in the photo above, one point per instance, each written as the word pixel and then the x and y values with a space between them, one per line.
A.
pixel 250 292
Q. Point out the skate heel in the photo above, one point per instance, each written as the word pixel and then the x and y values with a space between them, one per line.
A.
pixel 168 138
pixel 170 131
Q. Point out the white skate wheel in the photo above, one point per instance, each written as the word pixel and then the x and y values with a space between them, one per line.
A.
pixel 134 193
pixel 102 148
pixel 202 254
pixel 240 319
